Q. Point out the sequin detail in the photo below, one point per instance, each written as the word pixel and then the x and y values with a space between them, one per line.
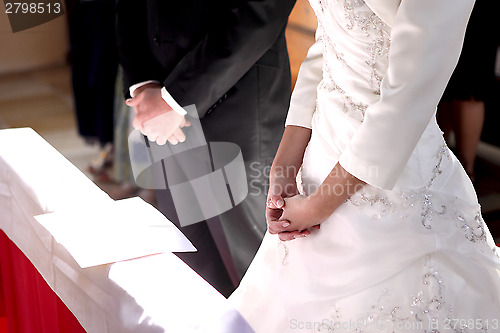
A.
pixel 350 105
pixel 284 260
pixel 426 310
pixel 357 14
pixel 403 202
pixel 360 19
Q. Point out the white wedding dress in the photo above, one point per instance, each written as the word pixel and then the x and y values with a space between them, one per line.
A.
pixel 409 252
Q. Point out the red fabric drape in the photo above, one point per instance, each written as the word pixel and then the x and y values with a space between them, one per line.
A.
pixel 3 325
pixel 27 303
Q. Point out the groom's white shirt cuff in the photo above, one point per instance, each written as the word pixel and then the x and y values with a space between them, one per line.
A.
pixel 164 94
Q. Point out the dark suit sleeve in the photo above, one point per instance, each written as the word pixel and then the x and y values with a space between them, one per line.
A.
pixel 238 39
pixel 136 59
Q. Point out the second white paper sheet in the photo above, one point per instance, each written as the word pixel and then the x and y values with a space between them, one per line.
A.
pixel 115 231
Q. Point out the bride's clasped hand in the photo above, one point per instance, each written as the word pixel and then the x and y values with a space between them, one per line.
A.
pixel 295 218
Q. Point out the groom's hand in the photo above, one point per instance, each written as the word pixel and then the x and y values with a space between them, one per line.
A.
pixel 176 137
pixel 154 117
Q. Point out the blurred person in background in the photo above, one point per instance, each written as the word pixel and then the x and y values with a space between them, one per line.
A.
pixel 462 107
pixel 94 64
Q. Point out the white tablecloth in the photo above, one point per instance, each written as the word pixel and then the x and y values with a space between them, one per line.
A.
pixel 151 294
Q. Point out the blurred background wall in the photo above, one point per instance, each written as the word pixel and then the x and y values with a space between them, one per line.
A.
pixel 41 46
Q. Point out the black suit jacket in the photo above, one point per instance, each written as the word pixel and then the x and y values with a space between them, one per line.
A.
pixel 229 58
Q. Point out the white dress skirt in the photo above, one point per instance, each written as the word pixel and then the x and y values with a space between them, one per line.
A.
pixel 417 257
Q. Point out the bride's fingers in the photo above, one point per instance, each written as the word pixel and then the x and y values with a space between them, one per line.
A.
pixel 275 227
pixel 275 201
pixel 291 235
pixel 272 215
pixel 287 236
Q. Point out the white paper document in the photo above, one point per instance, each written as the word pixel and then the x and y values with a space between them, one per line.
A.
pixel 114 231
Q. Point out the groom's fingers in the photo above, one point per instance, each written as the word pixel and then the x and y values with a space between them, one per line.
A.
pixel 176 137
pixel 161 140
pixel 173 140
pixel 185 123
pixel 179 135
pixel 133 102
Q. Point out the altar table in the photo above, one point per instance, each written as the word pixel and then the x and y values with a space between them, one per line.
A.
pixel 42 288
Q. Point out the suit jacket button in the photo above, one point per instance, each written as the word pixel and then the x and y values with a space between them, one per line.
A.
pixel 157 40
